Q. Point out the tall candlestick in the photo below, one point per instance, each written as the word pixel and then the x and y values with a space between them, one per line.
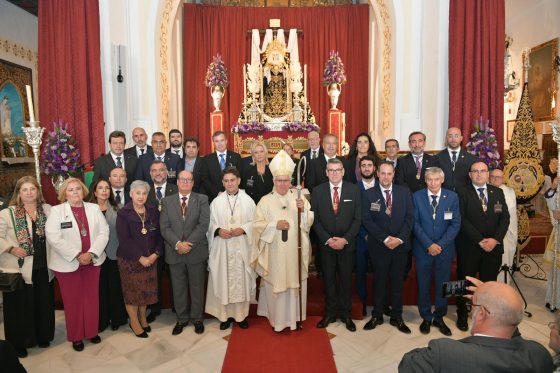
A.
pixel 30 103
pixel 244 84
pixel 305 82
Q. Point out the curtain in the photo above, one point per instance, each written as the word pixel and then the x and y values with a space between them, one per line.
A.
pixel 476 65
pixel 216 29
pixel 70 72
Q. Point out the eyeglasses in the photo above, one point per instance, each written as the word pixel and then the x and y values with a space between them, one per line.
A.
pixel 185 180
pixel 479 171
pixel 470 305
pixel 335 170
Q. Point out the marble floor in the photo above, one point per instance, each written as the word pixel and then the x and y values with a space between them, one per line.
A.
pixel 379 350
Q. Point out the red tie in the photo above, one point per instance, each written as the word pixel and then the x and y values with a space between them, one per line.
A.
pixel 336 200
pixel 388 201
pixel 184 206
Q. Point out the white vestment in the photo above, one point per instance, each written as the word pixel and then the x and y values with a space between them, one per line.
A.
pixel 510 240
pixel 231 281
pixel 276 261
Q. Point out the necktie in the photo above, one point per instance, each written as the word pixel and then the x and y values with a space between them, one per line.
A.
pixel 158 158
pixel 118 196
pixel 313 154
pixel 418 167
pixel 454 158
pixel 142 151
pixel 176 151
pixel 482 198
pixel 388 201
pixel 222 161
pixel 184 206
pixel 336 200
pixel 434 205
pixel 119 163
pixel 158 193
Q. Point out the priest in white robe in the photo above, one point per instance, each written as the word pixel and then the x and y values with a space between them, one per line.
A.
pixel 275 254
pixel 231 281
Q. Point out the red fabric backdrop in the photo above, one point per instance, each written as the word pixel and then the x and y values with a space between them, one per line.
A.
pixel 216 29
pixel 476 65
pixel 70 72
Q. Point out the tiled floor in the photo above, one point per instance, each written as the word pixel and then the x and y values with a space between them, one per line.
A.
pixel 379 350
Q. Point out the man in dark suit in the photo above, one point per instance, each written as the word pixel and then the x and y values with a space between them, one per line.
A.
pixel 484 224
pixel 315 174
pixel 118 181
pixel 193 163
pixel 314 151
pixel 454 161
pixel 392 151
pixel 215 163
pixel 140 139
pixel 494 345
pixel 184 221
pixel 115 158
pixel 336 225
pixel 172 161
pixel 411 167
pixel 388 215
pixel 176 144
pixel 437 222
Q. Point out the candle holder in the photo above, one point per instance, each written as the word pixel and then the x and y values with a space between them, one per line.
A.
pixel 34 136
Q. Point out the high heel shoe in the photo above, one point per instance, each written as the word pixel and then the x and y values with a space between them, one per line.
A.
pixel 147 329
pixel 141 335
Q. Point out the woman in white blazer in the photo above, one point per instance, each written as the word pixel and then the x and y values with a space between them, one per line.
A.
pixel 77 233
pixel 29 310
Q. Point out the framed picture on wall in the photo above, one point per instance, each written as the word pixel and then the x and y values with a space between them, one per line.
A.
pixel 13 111
pixel 510 127
pixel 542 80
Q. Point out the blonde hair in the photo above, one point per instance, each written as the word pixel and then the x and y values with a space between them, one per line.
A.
pixel 16 199
pixel 62 191
pixel 254 146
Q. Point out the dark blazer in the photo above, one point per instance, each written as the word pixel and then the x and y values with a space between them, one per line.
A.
pixel 212 173
pixel 363 232
pixel 306 154
pixel 477 225
pixel 126 194
pixel 192 229
pixel 478 354
pixel 197 174
pixel 439 231
pixel 132 243
pixel 459 177
pixel 103 166
pixel 316 172
pixel 350 168
pixel 405 173
pixel 132 150
pixel 170 189
pixel 172 161
pixel 168 151
pixel 379 225
pixel 344 224
pixel 255 185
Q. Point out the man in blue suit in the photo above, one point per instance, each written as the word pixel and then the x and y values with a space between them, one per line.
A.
pixel 157 153
pixel 388 215
pixel 436 224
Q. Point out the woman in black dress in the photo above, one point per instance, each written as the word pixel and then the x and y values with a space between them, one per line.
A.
pixel 362 145
pixel 256 178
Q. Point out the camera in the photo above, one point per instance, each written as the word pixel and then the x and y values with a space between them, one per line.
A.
pixel 455 288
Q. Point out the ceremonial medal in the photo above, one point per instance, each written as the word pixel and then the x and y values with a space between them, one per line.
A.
pixel 40 232
pixel 417 177
pixel 144 230
pixel 83 231
pixel 159 207
pixel 388 211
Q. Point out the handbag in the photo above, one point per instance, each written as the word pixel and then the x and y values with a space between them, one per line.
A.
pixel 10 282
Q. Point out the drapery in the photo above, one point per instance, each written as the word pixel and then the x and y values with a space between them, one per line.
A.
pixel 476 65
pixel 209 30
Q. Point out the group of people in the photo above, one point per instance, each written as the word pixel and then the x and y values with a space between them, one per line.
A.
pixel 153 208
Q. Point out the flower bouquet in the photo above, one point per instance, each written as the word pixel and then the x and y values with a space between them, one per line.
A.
pixel 483 144
pixel 300 127
pixel 334 70
pixel 251 127
pixel 217 74
pixel 60 154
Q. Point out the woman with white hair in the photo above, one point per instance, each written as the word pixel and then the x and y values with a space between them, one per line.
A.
pixel 256 178
pixel 140 245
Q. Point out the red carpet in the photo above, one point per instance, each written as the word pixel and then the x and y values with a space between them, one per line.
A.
pixel 259 349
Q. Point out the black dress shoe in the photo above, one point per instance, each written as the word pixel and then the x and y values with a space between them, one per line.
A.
pixel 387 310
pixel 438 323
pixel 373 322
pixel 147 329
pixel 462 323
pixel 152 316
pixel 141 335
pixel 198 327
pixel 178 328
pixel 114 327
pixel 43 344
pixel 349 323
pixel 425 327
pixel 226 324
pixel 95 340
pixel 22 352
pixel 325 321
pixel 244 324
pixel 78 346
pixel 400 325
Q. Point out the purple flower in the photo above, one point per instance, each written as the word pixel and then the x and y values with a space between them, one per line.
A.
pixel 217 74
pixel 334 70
pixel 60 155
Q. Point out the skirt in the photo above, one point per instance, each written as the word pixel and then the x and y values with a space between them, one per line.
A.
pixel 139 283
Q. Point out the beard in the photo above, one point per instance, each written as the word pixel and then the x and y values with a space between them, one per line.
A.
pixel 367 177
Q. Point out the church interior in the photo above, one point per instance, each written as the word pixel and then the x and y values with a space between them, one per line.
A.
pixel 262 70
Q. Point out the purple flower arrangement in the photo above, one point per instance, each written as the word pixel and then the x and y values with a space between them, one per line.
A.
pixel 217 74
pixel 252 127
pixel 483 144
pixel 300 127
pixel 334 70
pixel 60 154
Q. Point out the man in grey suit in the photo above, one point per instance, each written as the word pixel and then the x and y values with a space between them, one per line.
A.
pixel 495 344
pixel 184 221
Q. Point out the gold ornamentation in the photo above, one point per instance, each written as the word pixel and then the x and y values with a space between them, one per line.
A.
pixel 163 56
pixel 523 231
pixel 275 55
pixel 386 89
pixel 19 51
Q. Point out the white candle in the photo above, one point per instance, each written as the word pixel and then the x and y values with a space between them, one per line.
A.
pixel 305 82
pixel 244 84
pixel 30 104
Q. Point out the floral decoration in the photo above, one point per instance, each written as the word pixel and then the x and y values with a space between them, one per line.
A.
pixel 217 73
pixel 60 155
pixel 251 127
pixel 334 70
pixel 484 145
pixel 300 127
